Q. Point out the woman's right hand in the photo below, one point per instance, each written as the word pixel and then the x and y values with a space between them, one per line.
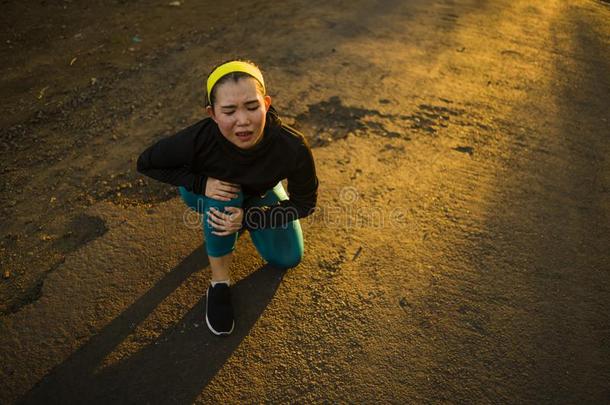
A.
pixel 220 190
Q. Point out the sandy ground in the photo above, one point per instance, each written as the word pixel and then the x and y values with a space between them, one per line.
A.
pixel 460 253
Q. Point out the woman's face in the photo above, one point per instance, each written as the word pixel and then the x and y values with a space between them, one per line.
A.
pixel 240 110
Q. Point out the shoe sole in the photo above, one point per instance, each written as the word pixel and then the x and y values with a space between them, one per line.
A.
pixel 207 321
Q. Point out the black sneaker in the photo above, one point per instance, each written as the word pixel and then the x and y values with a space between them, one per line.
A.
pixel 218 310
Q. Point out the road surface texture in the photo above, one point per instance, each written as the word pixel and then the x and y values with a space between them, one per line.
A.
pixel 460 253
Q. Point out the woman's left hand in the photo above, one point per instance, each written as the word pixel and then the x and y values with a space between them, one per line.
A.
pixel 225 223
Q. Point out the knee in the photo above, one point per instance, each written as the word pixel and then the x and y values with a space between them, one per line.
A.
pixel 288 260
pixel 220 205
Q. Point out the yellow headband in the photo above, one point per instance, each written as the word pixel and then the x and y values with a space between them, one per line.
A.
pixel 230 67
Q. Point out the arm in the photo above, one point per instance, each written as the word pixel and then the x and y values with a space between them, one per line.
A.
pixel 303 193
pixel 170 160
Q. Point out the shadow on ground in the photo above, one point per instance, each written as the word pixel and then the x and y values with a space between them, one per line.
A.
pixel 177 366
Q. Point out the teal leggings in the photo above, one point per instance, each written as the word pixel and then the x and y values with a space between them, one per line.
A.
pixel 280 247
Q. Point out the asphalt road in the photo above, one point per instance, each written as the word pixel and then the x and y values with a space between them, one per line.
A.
pixel 460 253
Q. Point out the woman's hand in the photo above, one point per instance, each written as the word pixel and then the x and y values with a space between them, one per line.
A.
pixel 220 190
pixel 225 223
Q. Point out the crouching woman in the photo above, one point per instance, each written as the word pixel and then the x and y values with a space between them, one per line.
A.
pixel 229 167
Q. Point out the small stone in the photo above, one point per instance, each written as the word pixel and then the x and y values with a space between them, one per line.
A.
pixel 6 274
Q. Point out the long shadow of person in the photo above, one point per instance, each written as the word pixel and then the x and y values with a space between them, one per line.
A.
pixel 177 366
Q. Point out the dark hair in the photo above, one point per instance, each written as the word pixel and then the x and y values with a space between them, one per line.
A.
pixel 235 76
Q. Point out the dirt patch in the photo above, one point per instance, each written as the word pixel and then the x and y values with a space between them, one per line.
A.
pixel 84 229
pixel 331 120
pixel 430 118
pixel 80 231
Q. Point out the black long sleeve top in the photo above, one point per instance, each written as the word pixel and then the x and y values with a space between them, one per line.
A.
pixel 200 151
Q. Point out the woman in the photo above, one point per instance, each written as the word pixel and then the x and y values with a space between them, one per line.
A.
pixel 229 167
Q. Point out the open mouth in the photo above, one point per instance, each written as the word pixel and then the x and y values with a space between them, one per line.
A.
pixel 244 135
